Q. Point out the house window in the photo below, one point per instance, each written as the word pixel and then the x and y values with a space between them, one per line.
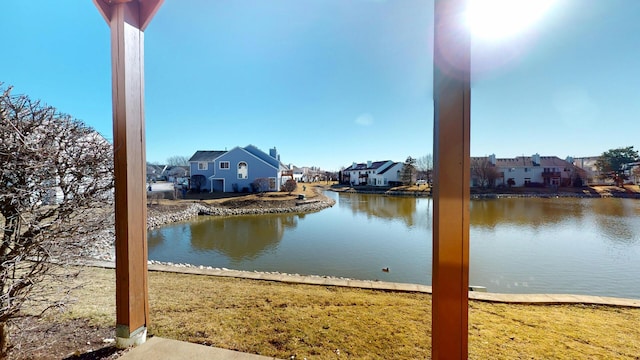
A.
pixel 203 165
pixel 272 183
pixel 526 169
pixel 224 165
pixel 243 170
pixel 527 181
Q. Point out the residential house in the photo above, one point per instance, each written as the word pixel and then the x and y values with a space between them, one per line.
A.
pixel 373 173
pixel 154 172
pixel 297 173
pixel 588 164
pixel 175 173
pixel 532 170
pixel 632 170
pixel 237 169
pixel 593 175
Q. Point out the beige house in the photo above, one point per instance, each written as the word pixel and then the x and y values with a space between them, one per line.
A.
pixel 531 171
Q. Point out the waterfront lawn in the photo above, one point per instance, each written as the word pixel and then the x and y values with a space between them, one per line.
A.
pixel 281 320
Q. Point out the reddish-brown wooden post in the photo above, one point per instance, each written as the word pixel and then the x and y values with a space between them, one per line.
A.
pixel 451 192
pixel 127 20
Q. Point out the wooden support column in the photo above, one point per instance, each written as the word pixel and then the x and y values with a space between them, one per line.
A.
pixel 127 20
pixel 451 174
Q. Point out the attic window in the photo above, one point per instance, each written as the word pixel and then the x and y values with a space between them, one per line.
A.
pixel 203 165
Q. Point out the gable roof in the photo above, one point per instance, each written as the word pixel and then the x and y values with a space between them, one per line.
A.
pixel 388 168
pixel 206 155
pixel 363 166
pixel 274 165
pixel 253 150
pixel 527 161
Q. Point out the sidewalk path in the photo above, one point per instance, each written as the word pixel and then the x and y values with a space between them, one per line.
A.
pixel 167 349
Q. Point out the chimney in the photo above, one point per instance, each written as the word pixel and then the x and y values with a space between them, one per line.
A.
pixel 273 153
pixel 535 158
pixel 354 165
pixel 368 163
pixel 492 159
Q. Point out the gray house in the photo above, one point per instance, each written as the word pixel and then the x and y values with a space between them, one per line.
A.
pixel 236 170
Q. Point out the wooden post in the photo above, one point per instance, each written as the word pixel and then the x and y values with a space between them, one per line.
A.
pixel 451 192
pixel 127 20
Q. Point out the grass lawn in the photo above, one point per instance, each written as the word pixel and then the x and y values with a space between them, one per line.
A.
pixel 323 322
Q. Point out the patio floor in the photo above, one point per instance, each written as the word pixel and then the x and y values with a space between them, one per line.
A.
pixel 161 349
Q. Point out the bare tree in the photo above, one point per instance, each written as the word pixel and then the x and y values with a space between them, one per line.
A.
pixel 289 186
pixel 56 186
pixel 260 185
pixel 408 171
pixel 424 165
pixel 178 160
pixel 484 171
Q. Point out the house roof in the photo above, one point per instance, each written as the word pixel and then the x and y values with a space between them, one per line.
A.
pixel 527 161
pixel 153 169
pixel 388 167
pixel 177 169
pixel 206 155
pixel 363 166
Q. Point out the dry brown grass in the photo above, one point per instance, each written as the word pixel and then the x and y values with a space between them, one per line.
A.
pixel 281 320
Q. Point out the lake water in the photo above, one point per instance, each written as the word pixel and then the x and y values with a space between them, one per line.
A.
pixel 564 245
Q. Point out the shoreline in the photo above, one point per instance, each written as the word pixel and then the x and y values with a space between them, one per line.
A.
pixel 325 280
pixel 585 193
pixel 159 218
pixel 104 245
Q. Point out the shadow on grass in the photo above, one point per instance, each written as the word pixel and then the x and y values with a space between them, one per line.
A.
pixel 106 352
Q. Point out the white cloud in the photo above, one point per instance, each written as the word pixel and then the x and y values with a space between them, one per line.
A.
pixel 364 119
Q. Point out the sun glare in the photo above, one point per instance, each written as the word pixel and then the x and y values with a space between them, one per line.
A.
pixel 501 19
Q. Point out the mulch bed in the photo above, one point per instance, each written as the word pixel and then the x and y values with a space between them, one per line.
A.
pixel 37 339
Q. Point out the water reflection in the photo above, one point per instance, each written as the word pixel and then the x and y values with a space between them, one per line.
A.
pixel 380 206
pixel 241 238
pixel 616 220
pixel 530 212
pixel 157 237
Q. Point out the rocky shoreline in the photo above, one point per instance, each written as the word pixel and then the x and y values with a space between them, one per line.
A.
pixel 505 195
pixel 554 195
pixel 156 218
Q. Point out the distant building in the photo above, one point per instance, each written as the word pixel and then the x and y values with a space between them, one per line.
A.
pixel 532 171
pixel 373 173
pixel 588 164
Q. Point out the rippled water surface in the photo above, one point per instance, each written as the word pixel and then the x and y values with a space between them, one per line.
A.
pixel 580 246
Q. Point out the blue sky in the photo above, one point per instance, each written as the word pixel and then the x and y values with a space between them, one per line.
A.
pixel 330 82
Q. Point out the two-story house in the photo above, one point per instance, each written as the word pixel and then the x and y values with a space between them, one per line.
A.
pixel 236 170
pixel 373 173
pixel 534 170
